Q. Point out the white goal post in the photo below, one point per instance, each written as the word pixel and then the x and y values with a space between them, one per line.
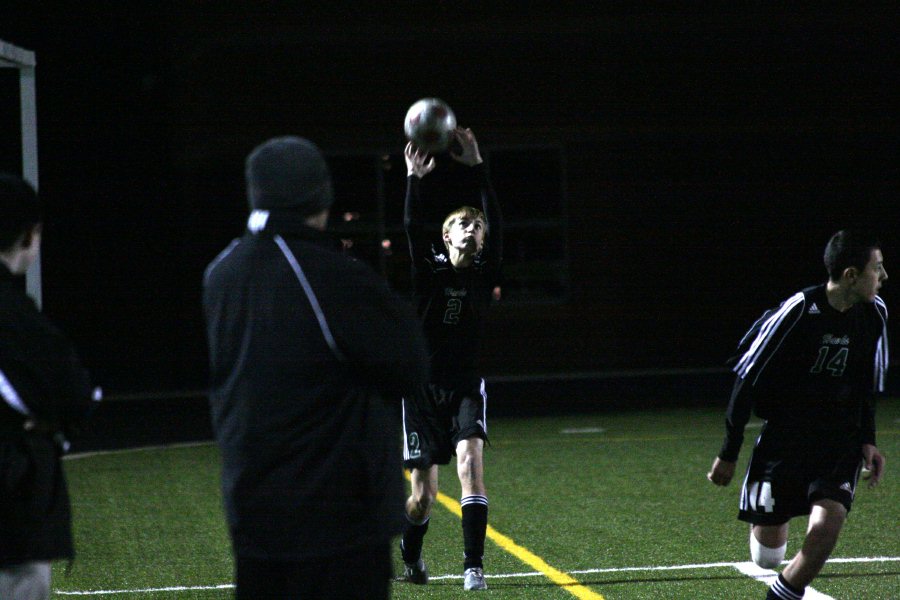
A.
pixel 13 57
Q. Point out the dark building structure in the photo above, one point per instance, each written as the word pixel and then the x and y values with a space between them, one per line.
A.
pixel 666 175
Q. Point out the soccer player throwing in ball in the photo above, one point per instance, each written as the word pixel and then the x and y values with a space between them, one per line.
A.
pixel 453 284
pixel 811 368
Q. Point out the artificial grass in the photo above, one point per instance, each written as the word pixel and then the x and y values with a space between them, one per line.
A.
pixel 633 494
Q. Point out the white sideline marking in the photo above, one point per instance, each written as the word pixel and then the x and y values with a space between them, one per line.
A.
pixel 583 430
pixel 768 577
pixel 174 588
pixel 78 455
pixel 756 572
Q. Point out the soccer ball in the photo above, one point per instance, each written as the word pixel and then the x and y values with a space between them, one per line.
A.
pixel 429 124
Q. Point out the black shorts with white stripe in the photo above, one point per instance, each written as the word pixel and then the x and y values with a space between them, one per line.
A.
pixel 436 419
pixel 792 468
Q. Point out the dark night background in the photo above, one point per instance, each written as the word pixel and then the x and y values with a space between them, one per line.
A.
pixel 703 159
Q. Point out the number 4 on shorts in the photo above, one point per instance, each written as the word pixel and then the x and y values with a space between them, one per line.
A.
pixel 760 493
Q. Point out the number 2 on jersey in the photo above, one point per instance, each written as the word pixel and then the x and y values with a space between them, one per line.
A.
pixel 451 315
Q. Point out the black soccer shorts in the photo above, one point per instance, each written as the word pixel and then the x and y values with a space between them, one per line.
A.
pixel 436 419
pixel 790 469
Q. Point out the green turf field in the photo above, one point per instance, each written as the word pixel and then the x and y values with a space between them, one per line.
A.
pixel 616 503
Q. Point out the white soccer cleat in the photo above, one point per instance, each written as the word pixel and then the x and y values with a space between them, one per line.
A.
pixel 474 579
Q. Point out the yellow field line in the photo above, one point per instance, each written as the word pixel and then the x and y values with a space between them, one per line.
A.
pixel 564 580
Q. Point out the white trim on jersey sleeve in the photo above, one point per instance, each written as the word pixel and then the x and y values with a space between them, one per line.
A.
pixel 882 353
pixel 771 329
pixel 11 396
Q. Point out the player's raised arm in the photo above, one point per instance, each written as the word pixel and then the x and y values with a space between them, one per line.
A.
pixel 418 164
pixel 469 154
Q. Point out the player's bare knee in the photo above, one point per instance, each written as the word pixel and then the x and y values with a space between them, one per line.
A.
pixel 419 505
pixel 825 532
pixel 826 521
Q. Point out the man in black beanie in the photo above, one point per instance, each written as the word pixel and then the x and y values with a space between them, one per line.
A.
pixel 289 172
pixel 310 353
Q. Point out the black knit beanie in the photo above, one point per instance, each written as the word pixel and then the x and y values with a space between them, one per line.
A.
pixel 288 172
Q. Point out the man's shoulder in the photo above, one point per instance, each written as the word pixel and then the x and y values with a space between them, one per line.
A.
pixel 15 301
pixel 346 272
pixel 875 311
pixel 794 305
pixel 774 322
pixel 814 293
pixel 810 301
pixel 350 266
pixel 224 257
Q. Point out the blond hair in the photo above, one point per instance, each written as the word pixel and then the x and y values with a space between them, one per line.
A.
pixel 463 212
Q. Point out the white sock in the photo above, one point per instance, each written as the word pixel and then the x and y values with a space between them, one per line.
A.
pixel 765 557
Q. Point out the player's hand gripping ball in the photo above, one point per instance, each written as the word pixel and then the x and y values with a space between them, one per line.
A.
pixel 429 125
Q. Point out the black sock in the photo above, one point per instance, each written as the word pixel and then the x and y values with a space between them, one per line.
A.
pixel 782 590
pixel 412 538
pixel 474 526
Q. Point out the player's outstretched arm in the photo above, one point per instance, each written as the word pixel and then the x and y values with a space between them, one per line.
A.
pixel 468 148
pixel 722 472
pixel 418 162
pixel 874 463
pixel 469 154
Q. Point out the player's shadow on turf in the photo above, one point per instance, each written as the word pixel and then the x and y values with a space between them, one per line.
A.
pixel 849 575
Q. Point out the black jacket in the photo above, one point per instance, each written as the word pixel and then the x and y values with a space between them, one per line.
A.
pixel 310 353
pixel 41 382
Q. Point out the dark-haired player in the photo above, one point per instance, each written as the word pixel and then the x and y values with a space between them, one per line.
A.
pixel 453 285
pixel 44 392
pixel 811 369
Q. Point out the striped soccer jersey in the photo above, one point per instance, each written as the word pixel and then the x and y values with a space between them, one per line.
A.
pixel 807 364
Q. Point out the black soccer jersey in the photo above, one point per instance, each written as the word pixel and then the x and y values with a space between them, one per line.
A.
pixel 806 364
pixel 451 302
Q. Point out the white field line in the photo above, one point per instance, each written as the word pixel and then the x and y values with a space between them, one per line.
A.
pixel 78 455
pixel 582 430
pixel 758 574
pixel 174 588
pixel 768 577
